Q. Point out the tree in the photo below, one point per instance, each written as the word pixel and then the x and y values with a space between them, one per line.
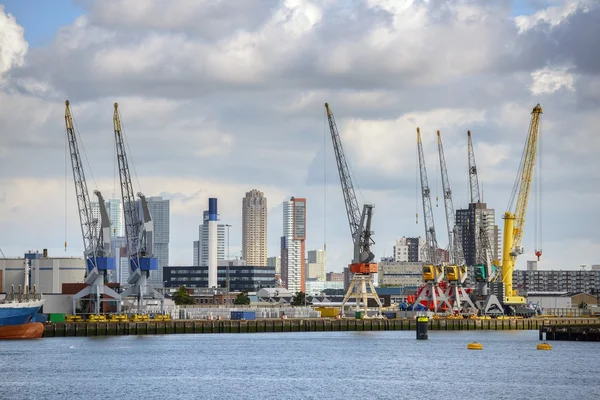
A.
pixel 583 305
pixel 299 299
pixel 182 297
pixel 242 299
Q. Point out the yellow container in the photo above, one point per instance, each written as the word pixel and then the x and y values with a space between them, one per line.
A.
pixel 328 312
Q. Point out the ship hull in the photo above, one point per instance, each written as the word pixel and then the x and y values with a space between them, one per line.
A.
pixel 18 313
pixel 32 330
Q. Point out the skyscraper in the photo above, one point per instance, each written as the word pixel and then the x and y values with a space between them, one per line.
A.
pixel 159 211
pixel 201 245
pixel 468 223
pixel 254 228
pixel 317 265
pixel 293 259
pixel 115 214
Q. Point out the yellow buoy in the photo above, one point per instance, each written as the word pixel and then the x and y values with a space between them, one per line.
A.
pixel 475 346
pixel 544 346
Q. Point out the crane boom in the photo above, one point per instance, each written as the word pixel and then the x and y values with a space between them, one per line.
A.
pixel 473 178
pixel 430 237
pixel 84 205
pixel 454 246
pixel 514 223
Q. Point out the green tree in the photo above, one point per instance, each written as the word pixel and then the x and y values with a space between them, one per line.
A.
pixel 583 305
pixel 299 299
pixel 182 297
pixel 242 299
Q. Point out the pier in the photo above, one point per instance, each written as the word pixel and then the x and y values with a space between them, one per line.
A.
pixel 586 331
pixel 73 329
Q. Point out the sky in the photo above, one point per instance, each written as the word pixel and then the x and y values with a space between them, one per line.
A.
pixel 218 98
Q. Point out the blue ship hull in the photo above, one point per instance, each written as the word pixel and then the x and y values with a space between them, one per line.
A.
pixel 16 315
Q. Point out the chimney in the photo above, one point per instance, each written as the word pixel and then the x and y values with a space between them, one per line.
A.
pixel 45 253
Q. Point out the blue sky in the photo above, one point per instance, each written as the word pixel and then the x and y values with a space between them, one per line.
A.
pixel 42 18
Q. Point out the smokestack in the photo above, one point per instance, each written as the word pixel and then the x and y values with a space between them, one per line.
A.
pixel 212 242
pixel 45 253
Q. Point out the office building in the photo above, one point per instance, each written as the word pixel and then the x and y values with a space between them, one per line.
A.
pixel 275 262
pixel 254 228
pixel 335 277
pixel 316 265
pixel 409 249
pixel 242 277
pixel 119 248
pixel 160 214
pixel 293 258
pixel 115 215
pixel 469 223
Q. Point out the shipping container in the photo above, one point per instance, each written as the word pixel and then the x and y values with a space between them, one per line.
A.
pixel 360 314
pixel 328 311
pixel 243 315
pixel 57 317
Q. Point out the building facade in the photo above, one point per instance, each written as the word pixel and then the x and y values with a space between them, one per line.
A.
pixel 115 215
pixel 400 273
pixel 160 213
pixel 316 265
pixel 254 228
pixel 334 277
pixel 469 222
pixel 556 281
pixel 201 245
pixel 409 249
pixel 242 278
pixel 293 253
pixel 275 262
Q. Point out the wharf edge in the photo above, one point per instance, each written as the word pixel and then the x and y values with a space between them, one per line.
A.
pixel 73 329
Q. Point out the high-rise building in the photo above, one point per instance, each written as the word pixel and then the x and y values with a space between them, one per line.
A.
pixel 317 265
pixel 119 248
pixel 115 215
pixel 468 223
pixel 409 249
pixel 293 260
pixel 275 262
pixel 159 211
pixel 201 245
pixel 254 228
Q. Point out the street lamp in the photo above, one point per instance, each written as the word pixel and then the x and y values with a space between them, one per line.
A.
pixel 227 278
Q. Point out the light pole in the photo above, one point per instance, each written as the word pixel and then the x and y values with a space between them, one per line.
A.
pixel 228 261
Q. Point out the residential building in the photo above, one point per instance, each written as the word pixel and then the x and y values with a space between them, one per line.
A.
pixel 400 273
pixel 409 249
pixel 201 245
pixel 293 253
pixel 160 213
pixel 242 277
pixel 572 281
pixel 275 262
pixel 335 277
pixel 468 223
pixel 254 228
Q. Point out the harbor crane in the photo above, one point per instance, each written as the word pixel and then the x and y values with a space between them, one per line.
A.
pixel 361 286
pixel 96 234
pixel 433 271
pixel 514 222
pixel 138 228
pixel 457 272
pixel 485 270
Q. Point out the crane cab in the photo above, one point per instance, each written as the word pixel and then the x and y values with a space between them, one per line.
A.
pixel 452 273
pixel 363 268
pixel 428 273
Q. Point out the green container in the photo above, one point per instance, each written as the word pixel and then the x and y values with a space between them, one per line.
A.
pixel 56 317
pixel 360 314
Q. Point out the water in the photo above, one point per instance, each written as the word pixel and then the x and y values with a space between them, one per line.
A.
pixel 332 365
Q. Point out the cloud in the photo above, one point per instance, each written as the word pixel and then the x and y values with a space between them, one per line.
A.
pixel 549 80
pixel 14 46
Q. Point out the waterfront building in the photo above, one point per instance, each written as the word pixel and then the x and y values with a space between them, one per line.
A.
pixel 400 273
pixel 254 228
pixel 293 259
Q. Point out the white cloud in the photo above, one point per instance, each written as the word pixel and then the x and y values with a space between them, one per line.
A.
pixel 13 46
pixel 552 15
pixel 549 80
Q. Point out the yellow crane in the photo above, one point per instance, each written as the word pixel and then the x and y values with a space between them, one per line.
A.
pixel 514 223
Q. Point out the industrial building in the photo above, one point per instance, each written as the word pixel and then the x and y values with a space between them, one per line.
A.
pixel 242 277
pixel 47 273
pixel 293 252
pixel 254 228
pixel 400 274
pixel 160 213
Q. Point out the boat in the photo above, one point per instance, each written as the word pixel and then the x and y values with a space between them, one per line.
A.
pixel 18 310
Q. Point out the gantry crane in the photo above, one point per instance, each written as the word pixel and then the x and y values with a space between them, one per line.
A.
pixel 96 234
pixel 361 286
pixel 485 271
pixel 514 223
pixel 457 272
pixel 433 270
pixel 138 228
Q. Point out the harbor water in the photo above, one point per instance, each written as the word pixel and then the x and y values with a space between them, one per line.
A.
pixel 312 365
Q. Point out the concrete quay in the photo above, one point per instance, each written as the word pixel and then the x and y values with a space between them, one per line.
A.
pixel 71 329
pixel 585 332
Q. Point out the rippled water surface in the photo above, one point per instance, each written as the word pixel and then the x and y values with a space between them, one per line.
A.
pixel 315 365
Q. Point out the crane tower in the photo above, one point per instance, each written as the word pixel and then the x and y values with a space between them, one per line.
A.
pixel 96 234
pixel 361 286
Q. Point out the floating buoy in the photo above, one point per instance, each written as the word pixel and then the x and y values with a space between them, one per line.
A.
pixel 475 346
pixel 544 346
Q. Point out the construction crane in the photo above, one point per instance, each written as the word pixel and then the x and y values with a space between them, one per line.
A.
pixel 96 234
pixel 485 270
pixel 457 272
pixel 361 286
pixel 433 271
pixel 138 228
pixel 514 222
